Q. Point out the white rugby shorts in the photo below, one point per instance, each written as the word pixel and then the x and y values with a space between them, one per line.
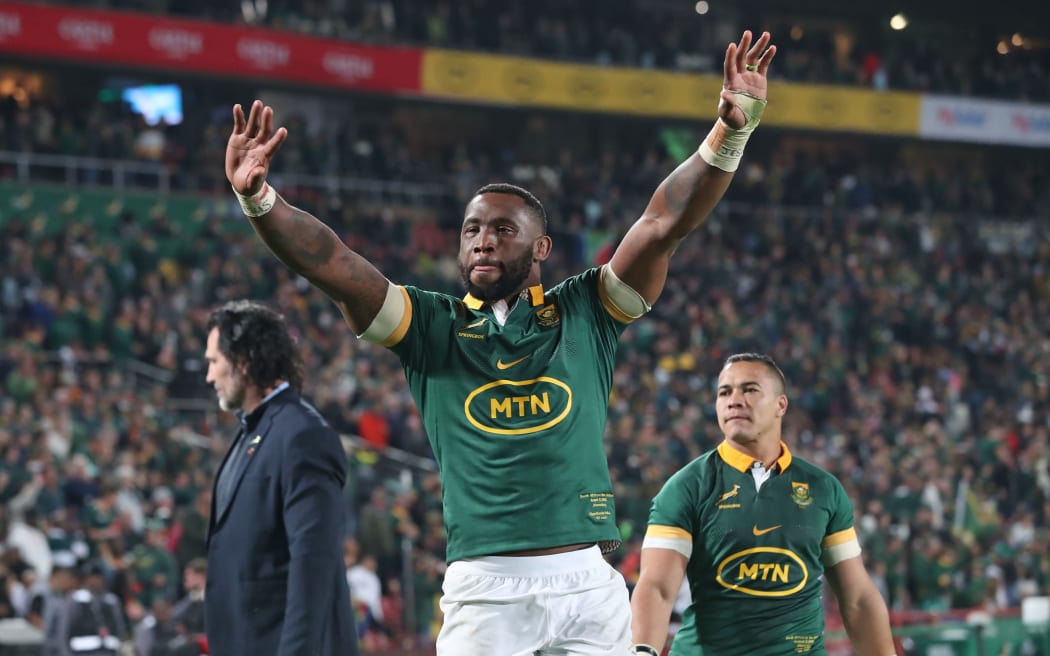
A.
pixel 571 603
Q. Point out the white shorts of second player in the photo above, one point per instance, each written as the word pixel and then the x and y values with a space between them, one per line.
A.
pixel 570 603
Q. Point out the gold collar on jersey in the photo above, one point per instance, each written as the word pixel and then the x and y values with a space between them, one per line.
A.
pixel 534 295
pixel 743 462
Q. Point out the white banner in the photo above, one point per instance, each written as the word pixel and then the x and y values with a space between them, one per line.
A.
pixel 984 121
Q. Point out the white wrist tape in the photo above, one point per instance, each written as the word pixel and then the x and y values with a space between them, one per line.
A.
pixel 724 146
pixel 259 203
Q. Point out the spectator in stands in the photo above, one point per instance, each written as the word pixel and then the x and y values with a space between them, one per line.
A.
pixel 156 631
pixel 47 608
pixel 153 566
pixel 366 590
pixel 193 525
pixel 376 533
pixel 188 612
pixel 91 621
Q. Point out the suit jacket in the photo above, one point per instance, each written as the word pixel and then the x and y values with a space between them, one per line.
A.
pixel 276 579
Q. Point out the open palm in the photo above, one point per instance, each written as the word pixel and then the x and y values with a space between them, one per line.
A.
pixel 745 71
pixel 252 145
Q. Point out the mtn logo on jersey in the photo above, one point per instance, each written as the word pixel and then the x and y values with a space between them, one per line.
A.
pixel 518 407
pixel 763 572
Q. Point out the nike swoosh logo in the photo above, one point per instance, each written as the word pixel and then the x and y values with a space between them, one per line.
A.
pixel 502 365
pixel 476 323
pixel 762 531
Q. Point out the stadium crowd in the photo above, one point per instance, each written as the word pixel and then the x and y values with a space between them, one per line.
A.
pixel 910 326
pixel 650 35
pixel 379 141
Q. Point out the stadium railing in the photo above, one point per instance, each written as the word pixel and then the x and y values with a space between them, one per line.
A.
pixel 25 168
pixel 72 170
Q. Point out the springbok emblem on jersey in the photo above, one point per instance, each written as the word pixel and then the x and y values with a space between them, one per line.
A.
pixel 728 495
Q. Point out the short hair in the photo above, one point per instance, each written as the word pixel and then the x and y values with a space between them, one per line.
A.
pixel 198 565
pixel 760 358
pixel 506 188
pixel 256 336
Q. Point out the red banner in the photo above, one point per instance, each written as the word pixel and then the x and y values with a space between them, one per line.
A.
pixel 163 43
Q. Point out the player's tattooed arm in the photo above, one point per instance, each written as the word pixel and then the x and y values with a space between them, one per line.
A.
pixel 684 204
pixel 679 206
pixel 301 241
pixel 680 188
pixel 313 250
pixel 683 201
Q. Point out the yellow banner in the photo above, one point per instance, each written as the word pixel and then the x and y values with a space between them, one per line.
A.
pixel 836 108
pixel 518 81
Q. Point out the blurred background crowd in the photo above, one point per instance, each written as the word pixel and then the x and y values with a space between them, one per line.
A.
pixel 903 287
pixel 671 34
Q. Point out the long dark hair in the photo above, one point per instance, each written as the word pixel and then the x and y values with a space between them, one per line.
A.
pixel 256 336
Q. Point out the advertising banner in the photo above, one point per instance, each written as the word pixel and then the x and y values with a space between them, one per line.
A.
pixel 160 43
pixel 474 77
pixel 985 121
pixel 843 109
pixel 155 42
pixel 518 81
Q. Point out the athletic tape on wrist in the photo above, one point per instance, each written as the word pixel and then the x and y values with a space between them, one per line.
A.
pixel 724 146
pixel 258 203
pixel 644 649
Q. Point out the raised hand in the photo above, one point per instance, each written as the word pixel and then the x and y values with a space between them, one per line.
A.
pixel 745 71
pixel 252 145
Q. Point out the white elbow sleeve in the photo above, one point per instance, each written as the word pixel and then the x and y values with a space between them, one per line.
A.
pixel 623 298
pixel 391 322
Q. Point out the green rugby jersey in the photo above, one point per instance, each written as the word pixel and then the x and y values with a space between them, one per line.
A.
pixel 757 556
pixel 516 413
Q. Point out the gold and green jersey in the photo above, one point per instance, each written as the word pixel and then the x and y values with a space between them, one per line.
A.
pixel 756 552
pixel 515 413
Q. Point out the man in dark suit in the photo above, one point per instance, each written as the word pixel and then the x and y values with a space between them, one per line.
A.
pixel 276 582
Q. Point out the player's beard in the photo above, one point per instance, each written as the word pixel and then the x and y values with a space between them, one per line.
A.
pixel 512 275
pixel 234 397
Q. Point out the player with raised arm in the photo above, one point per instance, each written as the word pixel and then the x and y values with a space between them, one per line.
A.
pixel 514 419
